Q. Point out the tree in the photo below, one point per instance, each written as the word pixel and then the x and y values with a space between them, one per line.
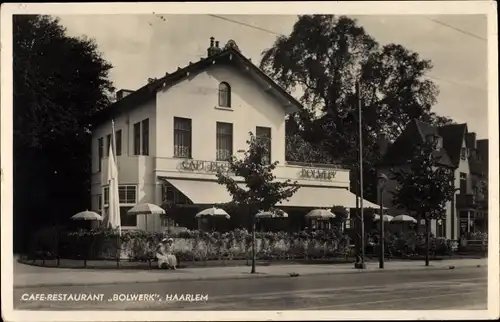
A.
pixel 261 191
pixel 323 58
pixel 60 82
pixel 424 187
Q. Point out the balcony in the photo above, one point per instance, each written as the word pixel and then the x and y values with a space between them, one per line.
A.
pixel 466 201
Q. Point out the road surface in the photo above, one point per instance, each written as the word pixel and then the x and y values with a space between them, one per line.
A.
pixel 464 288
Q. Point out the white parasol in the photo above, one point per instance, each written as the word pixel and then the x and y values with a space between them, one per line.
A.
pixel 320 214
pixel 146 209
pixel 87 215
pixel 213 212
pixel 271 214
pixel 403 218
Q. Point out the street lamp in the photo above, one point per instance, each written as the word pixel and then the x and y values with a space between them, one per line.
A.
pixel 382 179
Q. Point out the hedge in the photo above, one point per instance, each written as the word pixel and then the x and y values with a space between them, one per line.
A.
pixel 190 245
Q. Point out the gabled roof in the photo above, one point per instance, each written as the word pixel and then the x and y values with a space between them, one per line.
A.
pixel 453 136
pixel 401 151
pixel 229 55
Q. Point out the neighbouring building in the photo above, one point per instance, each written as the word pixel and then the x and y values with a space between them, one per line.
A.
pixel 458 149
pixel 175 132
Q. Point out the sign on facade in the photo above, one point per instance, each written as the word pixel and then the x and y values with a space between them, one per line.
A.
pixel 317 174
pixel 204 166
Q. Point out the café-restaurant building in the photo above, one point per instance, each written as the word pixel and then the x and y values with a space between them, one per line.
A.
pixel 176 131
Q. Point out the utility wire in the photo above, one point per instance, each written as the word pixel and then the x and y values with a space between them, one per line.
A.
pixel 436 21
pixel 456 29
pixel 247 25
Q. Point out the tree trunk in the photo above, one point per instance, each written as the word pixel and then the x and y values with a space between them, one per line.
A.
pixel 427 237
pixel 253 244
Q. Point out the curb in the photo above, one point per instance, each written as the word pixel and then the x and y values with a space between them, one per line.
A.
pixel 245 276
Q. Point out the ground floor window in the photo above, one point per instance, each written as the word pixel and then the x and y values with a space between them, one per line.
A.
pixel 128 199
pixel 441 228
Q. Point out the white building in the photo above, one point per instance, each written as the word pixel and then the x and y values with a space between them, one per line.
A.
pixel 457 150
pixel 172 133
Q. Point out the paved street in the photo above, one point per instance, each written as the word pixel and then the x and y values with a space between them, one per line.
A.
pixel 464 288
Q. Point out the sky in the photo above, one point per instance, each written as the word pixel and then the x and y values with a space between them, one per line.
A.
pixel 144 46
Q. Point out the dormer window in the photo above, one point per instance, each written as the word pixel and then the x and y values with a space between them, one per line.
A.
pixel 435 139
pixel 224 95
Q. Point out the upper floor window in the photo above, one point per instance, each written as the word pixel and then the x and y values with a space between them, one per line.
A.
pixel 224 95
pixel 137 138
pixel 436 140
pixel 141 138
pixel 118 142
pixel 263 134
pixel 108 144
pixel 100 152
pixel 463 182
pixel 182 137
pixel 224 138
pixel 145 137
pixel 463 153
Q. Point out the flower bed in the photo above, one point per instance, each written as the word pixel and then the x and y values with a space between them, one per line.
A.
pixel 192 245
pixel 202 246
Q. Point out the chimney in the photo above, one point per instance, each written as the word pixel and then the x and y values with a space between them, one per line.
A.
pixel 122 93
pixel 470 140
pixel 211 50
pixel 383 144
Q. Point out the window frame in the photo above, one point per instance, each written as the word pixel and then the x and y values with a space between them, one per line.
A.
pixel 269 139
pixel 100 153
pixel 145 137
pixel 224 94
pixel 181 131
pixel 105 205
pixel 137 138
pixel 220 136
pixel 118 138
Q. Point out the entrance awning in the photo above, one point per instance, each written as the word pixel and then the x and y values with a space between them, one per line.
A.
pixel 318 197
pixel 202 192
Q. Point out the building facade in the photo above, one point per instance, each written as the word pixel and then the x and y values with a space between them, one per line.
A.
pixel 459 150
pixel 175 132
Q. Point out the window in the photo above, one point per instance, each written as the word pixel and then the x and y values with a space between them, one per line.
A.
pixel 463 153
pixel 441 228
pixel 224 141
pixel 172 195
pixel 137 138
pixel 182 137
pixel 118 142
pixel 108 144
pixel 128 199
pixel 224 95
pixel 263 134
pixel 145 137
pixel 463 183
pixel 435 139
pixel 125 219
pixel 100 152
pixel 99 204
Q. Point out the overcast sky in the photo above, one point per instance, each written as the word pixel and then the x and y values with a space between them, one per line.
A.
pixel 143 46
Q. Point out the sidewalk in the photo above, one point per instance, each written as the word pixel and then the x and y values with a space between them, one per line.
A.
pixel 31 276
